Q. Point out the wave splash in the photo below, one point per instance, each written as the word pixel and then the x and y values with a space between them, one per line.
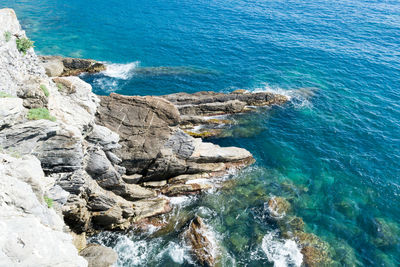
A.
pixel 281 252
pixel 120 71
pixel 299 98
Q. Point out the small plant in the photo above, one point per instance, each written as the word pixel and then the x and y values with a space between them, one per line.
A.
pixel 48 201
pixel 45 90
pixel 7 36
pixel 60 86
pixel 4 95
pixel 23 44
pixel 39 114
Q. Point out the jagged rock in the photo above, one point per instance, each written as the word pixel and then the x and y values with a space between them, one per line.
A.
pixel 77 108
pixel 101 169
pixel 99 256
pixel 31 234
pixel 64 66
pixel 212 103
pixel 201 245
pixel 11 111
pixel 57 146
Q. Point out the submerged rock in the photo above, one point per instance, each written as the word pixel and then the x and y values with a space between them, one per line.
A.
pixel 278 207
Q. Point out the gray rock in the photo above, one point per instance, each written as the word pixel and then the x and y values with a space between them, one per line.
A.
pixel 154 147
pixel 77 108
pixel 58 147
pixel 104 137
pixel 99 256
pixel 11 111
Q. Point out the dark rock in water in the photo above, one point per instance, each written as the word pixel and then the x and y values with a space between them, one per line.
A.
pixel 64 66
pixel 202 246
pixel 387 233
pixel 99 256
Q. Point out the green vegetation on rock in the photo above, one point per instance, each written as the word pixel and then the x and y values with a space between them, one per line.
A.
pixel 40 113
pixel 4 95
pixel 7 36
pixel 60 86
pixel 23 44
pixel 45 90
pixel 48 201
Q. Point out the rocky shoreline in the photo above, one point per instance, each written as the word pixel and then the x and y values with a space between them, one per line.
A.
pixel 110 161
pixel 74 164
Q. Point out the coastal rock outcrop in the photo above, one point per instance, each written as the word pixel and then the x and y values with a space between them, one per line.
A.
pixel 65 66
pixel 152 144
pixel 201 112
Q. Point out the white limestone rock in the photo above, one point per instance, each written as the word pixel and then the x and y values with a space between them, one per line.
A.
pixel 31 234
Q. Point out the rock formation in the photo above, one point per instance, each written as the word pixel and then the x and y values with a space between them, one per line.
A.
pixel 109 160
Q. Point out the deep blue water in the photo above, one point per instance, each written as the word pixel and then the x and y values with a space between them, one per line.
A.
pixel 339 137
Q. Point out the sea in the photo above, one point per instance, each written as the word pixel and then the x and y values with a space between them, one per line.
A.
pixel 333 151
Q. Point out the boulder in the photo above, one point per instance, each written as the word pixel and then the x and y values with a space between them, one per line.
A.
pixel 153 146
pixel 99 256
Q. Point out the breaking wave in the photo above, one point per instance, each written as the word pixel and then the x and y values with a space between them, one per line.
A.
pixel 299 98
pixel 281 252
pixel 120 71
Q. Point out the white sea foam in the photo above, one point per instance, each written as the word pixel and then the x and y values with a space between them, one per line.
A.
pixel 280 251
pixel 131 252
pixel 120 71
pixel 300 98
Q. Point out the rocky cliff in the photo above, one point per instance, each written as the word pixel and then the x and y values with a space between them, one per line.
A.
pixel 103 162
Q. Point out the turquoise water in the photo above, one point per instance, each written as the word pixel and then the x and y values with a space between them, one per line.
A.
pixel 333 151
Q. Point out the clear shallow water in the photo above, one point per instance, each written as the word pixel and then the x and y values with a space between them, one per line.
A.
pixel 339 137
